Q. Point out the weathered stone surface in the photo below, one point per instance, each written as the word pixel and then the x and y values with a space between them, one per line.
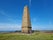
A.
pixel 26 23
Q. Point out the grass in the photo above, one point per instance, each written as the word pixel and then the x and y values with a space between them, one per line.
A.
pixel 34 36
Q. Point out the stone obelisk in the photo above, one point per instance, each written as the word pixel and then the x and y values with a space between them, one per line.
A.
pixel 26 22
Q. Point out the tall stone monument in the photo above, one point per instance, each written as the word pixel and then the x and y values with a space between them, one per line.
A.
pixel 26 23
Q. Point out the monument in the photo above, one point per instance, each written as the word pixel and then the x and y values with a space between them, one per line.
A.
pixel 26 22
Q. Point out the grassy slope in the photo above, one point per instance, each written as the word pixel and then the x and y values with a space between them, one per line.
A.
pixel 34 36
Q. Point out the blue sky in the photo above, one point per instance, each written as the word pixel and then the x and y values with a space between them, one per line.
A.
pixel 41 13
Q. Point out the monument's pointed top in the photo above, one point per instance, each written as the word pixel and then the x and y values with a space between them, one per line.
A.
pixel 25 6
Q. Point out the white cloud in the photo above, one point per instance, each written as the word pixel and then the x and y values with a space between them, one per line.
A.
pixel 4 13
pixel 6 27
pixel 34 19
pixel 42 27
pixel 9 18
pixel 30 2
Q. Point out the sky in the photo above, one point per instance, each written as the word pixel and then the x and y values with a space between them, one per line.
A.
pixel 11 12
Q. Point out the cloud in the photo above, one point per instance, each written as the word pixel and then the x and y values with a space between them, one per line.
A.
pixel 5 27
pixel 4 13
pixel 42 27
pixel 33 20
pixel 50 23
pixel 30 2
pixel 9 18
pixel 11 25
